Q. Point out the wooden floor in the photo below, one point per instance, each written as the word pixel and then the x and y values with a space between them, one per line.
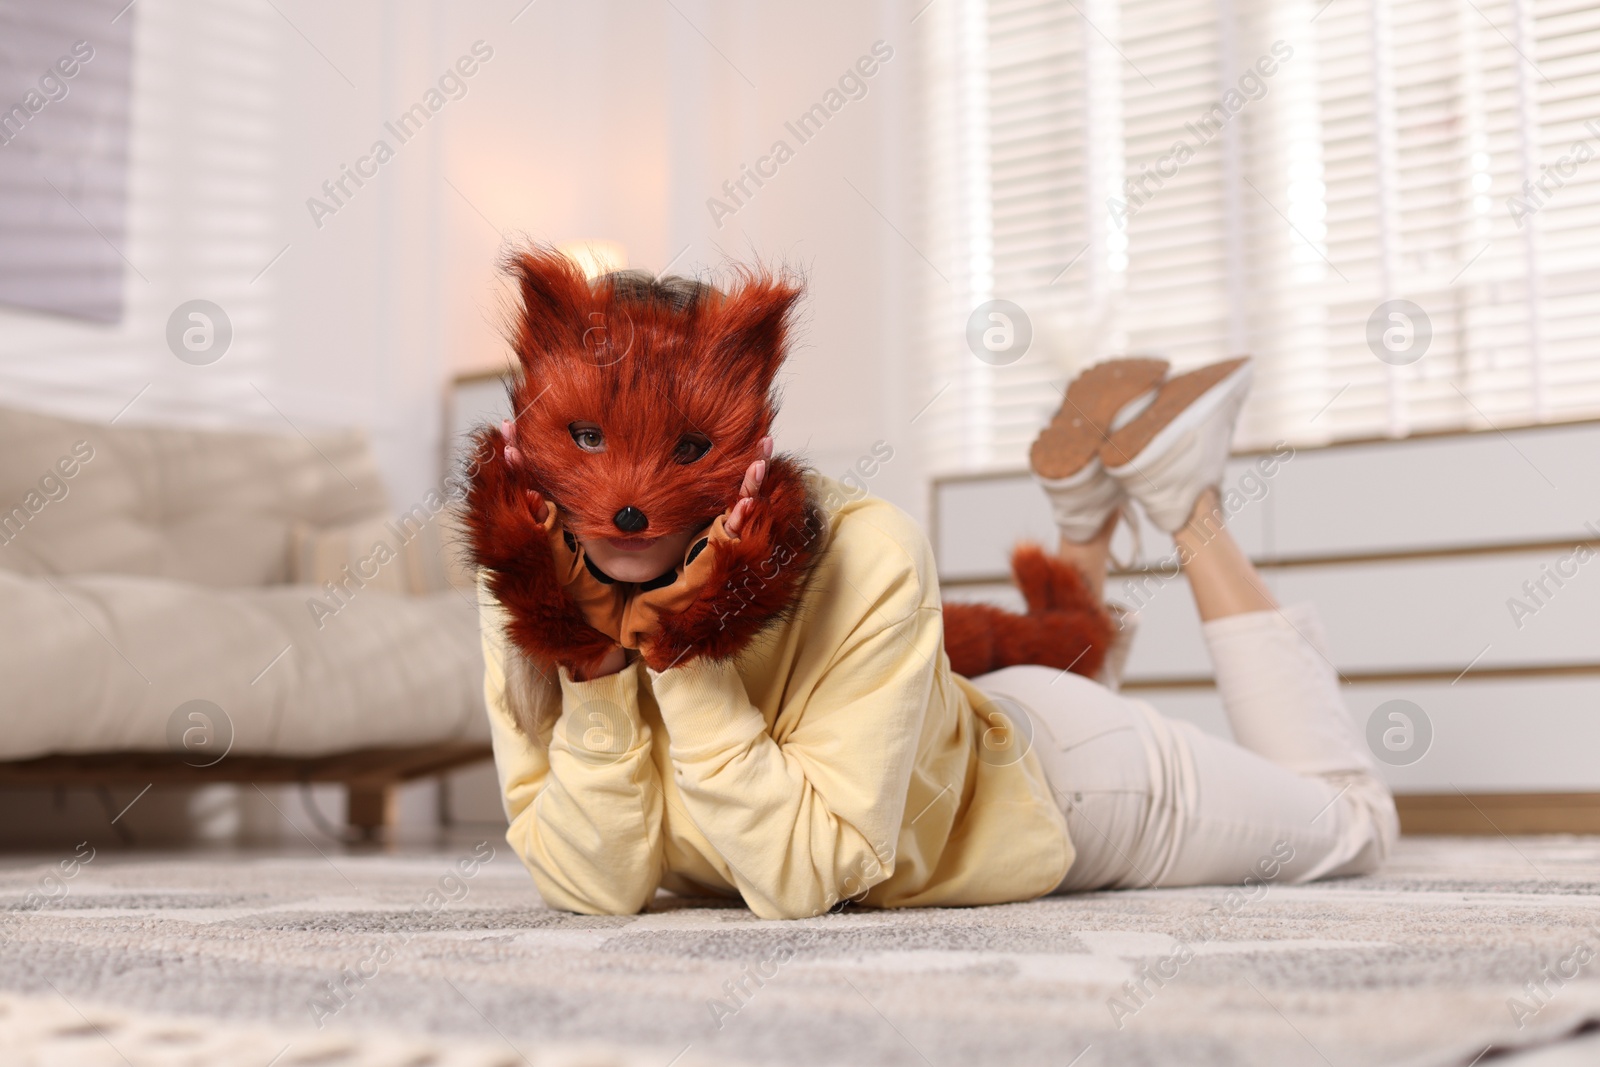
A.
pixel 371 776
pixel 1499 813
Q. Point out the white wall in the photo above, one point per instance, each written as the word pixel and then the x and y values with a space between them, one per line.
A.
pixel 619 122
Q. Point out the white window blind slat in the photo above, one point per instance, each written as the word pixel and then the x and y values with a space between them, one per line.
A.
pixel 64 157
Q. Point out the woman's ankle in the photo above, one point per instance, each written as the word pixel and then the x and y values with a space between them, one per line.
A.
pixel 1091 557
pixel 1223 579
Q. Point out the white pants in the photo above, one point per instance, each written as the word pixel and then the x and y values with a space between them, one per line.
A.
pixel 1151 801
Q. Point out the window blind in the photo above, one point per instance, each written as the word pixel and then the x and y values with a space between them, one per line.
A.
pixel 1200 178
pixel 205 198
pixel 64 121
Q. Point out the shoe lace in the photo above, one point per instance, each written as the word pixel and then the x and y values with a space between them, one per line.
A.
pixel 1126 514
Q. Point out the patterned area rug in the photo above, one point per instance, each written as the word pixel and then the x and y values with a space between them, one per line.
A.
pixel 1459 950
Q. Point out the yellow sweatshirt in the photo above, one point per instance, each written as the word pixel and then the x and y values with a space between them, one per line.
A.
pixel 835 758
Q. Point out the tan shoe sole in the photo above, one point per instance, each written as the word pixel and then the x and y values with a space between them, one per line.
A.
pixel 1176 395
pixel 1082 426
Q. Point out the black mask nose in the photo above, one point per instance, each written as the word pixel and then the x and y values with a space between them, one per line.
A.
pixel 630 519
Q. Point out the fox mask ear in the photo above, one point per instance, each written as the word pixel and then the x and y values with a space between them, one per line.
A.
pixel 555 301
pixel 751 328
pixel 742 336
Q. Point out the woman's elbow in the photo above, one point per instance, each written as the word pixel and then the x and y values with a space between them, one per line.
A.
pixel 603 900
pixel 807 905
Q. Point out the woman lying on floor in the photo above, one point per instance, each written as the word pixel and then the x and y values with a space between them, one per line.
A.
pixel 713 672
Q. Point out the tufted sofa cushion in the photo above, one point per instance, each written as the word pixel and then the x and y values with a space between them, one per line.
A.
pixel 212 508
pixel 98 663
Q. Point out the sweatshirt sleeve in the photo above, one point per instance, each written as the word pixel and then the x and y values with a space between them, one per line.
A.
pixel 585 803
pixel 806 823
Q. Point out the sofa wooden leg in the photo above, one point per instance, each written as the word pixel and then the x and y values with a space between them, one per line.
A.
pixel 372 809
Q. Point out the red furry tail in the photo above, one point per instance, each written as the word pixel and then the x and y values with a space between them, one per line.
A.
pixel 1065 627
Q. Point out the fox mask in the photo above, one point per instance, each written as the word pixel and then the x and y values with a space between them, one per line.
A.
pixel 677 380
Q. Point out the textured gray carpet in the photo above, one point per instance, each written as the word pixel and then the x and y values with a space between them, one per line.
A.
pixel 224 959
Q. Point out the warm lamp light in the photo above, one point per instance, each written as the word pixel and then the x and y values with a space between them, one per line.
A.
pixel 595 257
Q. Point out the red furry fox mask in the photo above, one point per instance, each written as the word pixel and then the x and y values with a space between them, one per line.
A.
pixel 678 377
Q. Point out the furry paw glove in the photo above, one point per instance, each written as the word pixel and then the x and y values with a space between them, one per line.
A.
pixel 731 588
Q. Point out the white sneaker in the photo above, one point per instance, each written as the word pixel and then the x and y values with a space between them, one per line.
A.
pixel 1066 455
pixel 1177 445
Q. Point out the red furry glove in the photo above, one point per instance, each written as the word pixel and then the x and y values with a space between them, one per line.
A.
pixel 744 571
pixel 559 612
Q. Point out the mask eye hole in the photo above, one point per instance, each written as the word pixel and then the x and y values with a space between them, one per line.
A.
pixel 691 448
pixel 587 436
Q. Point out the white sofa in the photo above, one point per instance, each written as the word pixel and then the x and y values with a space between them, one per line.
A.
pixel 141 569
